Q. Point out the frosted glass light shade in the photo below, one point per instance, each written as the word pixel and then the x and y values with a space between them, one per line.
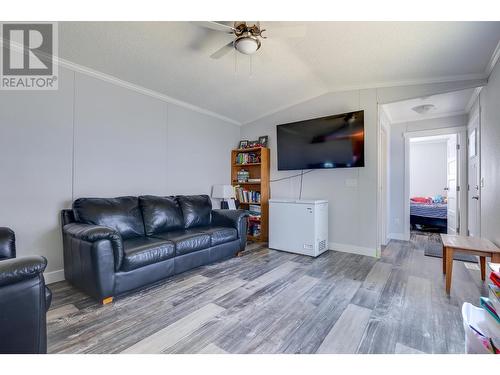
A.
pixel 247 45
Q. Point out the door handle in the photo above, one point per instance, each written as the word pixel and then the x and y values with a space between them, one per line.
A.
pixel 446 188
pixel 476 197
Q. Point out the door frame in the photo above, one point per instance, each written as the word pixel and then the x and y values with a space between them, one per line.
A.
pixel 461 132
pixel 384 185
pixel 475 114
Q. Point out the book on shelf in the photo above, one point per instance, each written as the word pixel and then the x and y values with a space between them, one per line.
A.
pixel 247 158
pixel 254 229
pixel 255 209
pixel 246 196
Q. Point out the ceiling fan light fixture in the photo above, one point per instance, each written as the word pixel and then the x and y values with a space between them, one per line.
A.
pixel 247 44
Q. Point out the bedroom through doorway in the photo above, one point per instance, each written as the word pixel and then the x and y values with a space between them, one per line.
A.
pixel 433 183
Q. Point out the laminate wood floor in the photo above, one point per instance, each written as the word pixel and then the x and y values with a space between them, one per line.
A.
pixel 275 302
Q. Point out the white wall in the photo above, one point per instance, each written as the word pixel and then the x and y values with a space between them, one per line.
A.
pixel 397 160
pixel 490 157
pixel 428 168
pixel 94 138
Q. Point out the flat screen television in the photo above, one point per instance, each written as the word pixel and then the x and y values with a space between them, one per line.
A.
pixel 336 141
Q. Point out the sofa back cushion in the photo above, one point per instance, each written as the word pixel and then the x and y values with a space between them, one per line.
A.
pixel 121 214
pixel 161 214
pixel 196 210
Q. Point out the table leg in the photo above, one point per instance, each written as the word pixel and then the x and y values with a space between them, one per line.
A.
pixel 482 260
pixel 444 259
pixel 449 267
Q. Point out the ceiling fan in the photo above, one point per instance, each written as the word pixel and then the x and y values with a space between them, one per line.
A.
pixel 247 36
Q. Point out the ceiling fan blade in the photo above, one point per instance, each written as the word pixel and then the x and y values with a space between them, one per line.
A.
pixel 298 31
pixel 215 26
pixel 222 51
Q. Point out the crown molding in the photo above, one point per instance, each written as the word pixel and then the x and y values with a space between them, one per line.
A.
pixel 493 60
pixel 140 89
pixel 472 99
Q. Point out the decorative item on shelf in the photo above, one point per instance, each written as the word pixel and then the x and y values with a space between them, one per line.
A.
pixel 243 144
pixel 263 140
pixel 242 176
pixel 223 192
pixel 253 144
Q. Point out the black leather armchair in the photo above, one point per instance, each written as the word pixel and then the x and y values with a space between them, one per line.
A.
pixel 24 300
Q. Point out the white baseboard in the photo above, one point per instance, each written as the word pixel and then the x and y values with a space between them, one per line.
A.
pixel 345 248
pixel 54 276
pixel 398 236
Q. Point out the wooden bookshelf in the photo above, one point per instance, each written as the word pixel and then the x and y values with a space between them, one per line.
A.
pixel 256 170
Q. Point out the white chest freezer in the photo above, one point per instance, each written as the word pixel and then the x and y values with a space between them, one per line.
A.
pixel 298 226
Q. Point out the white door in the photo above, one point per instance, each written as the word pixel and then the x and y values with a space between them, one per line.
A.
pixel 451 187
pixel 473 193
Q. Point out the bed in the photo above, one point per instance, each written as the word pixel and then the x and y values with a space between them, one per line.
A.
pixel 429 215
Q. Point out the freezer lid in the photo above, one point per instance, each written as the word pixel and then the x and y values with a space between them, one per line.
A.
pixel 297 201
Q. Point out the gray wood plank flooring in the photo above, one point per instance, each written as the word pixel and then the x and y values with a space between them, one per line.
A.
pixel 275 302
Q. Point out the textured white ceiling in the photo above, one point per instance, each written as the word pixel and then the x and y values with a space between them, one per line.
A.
pixel 172 58
pixel 452 103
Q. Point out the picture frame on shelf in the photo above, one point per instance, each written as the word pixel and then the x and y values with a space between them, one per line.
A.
pixel 243 144
pixel 263 140
pixel 253 144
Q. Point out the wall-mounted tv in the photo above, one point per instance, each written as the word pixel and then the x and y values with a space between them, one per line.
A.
pixel 336 141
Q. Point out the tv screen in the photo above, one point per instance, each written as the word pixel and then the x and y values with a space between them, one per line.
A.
pixel 328 142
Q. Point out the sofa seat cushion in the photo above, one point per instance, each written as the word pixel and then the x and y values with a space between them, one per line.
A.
pixel 219 235
pixel 187 241
pixel 142 251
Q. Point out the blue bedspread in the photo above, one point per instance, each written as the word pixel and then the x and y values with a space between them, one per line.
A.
pixel 434 210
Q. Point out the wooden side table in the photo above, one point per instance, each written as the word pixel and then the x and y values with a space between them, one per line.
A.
pixel 469 245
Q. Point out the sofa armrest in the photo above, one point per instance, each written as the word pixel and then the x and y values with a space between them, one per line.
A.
pixel 235 219
pixel 19 269
pixel 7 243
pixel 93 233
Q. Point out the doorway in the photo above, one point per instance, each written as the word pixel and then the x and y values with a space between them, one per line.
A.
pixel 433 182
pixel 435 170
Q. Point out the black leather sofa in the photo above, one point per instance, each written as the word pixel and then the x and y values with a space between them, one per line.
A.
pixel 24 300
pixel 114 245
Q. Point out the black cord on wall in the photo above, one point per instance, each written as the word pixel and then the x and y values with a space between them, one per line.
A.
pixel 301 175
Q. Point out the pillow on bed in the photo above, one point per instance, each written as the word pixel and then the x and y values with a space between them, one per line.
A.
pixel 438 199
pixel 421 200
